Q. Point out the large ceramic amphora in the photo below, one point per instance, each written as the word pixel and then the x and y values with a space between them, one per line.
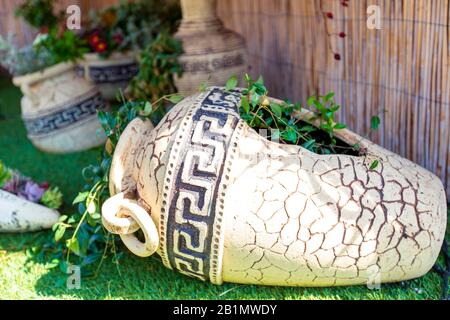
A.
pixel 59 109
pixel 109 74
pixel 219 202
pixel 212 54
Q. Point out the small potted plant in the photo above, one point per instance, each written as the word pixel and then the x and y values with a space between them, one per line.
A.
pixel 26 205
pixel 59 108
pixel 115 37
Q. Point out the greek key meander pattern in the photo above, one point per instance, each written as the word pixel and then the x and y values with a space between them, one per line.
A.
pixel 226 61
pixel 69 116
pixel 193 215
pixel 111 74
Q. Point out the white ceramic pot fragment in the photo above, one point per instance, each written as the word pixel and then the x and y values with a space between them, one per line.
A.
pixel 109 74
pixel 20 215
pixel 59 109
pixel 212 54
pixel 229 205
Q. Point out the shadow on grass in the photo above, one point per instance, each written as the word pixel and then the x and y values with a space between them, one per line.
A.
pixel 137 278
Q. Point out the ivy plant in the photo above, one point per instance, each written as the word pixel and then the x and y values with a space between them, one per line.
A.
pixel 158 63
pixel 80 238
pixel 61 46
pixel 315 133
pixel 38 13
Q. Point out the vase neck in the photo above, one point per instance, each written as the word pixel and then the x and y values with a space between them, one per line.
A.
pixel 199 15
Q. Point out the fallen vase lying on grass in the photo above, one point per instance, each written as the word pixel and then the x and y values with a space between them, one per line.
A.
pixel 219 202
pixel 25 205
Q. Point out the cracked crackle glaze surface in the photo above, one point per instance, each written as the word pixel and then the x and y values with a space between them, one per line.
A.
pixel 231 206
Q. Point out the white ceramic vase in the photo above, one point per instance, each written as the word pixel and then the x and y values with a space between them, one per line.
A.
pixel 59 109
pixel 219 202
pixel 20 215
pixel 109 74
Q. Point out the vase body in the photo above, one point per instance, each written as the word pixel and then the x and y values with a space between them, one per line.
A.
pixel 229 205
pixel 109 74
pixel 59 109
pixel 212 53
pixel 20 215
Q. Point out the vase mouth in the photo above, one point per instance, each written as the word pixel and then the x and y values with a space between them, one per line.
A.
pixel 95 57
pixel 44 73
pixel 347 136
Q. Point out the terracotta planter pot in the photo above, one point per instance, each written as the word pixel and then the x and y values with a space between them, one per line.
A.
pixel 110 74
pixel 212 54
pixel 219 202
pixel 20 215
pixel 60 110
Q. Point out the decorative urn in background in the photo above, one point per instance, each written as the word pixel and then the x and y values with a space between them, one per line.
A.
pixel 109 74
pixel 59 109
pixel 212 53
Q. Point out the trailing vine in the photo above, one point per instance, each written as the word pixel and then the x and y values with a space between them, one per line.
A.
pixel 80 238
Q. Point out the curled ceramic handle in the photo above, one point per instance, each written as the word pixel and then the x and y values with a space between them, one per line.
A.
pixel 124 217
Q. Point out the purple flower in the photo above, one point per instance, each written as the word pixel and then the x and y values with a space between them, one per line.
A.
pixel 32 192
pixel 12 186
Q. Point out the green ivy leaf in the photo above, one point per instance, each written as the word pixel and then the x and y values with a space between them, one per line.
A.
pixel 245 104
pixel 232 83
pixel 81 197
pixel 307 128
pixel 60 232
pixel 176 98
pixel 329 96
pixel 374 164
pixel 375 123
pixel 276 109
pixel 148 108
pixel 290 135
pixel 202 87
pixel 308 144
pixel 340 126
pixel 73 245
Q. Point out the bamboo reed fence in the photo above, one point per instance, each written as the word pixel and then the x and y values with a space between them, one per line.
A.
pixel 402 68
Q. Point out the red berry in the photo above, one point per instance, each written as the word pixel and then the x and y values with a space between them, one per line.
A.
pixel 329 15
pixel 101 47
pixel 45 185
pixel 342 34
pixel 337 56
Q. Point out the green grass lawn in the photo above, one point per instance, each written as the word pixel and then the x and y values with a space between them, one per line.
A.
pixel 132 277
